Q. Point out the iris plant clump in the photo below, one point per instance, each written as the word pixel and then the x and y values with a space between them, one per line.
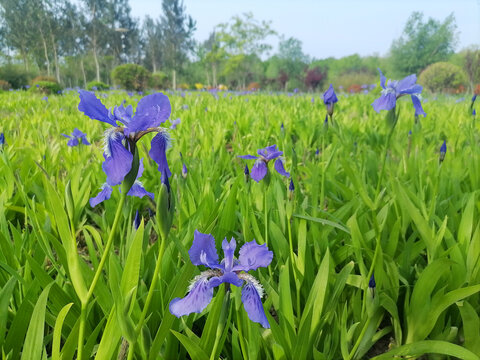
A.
pixel 122 163
pixel 230 271
pixel 77 138
pixel 260 168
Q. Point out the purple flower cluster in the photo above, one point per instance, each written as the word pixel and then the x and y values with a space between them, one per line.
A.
pixel 77 138
pixel 260 168
pixel 229 270
pixel 121 156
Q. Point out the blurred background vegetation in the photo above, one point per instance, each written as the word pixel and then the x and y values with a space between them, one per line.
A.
pixel 82 43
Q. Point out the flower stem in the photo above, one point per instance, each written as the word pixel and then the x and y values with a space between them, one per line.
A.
pixel 96 277
pixel 156 272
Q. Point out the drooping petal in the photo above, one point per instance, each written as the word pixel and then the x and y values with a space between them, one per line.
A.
pixel 203 251
pixel 102 196
pixel 196 300
pixel 259 170
pixel 118 160
pixel 158 153
pixel 383 79
pixel 123 114
pixel 418 106
pixel 152 110
pixel 280 169
pixel 139 191
pixel 72 142
pixel 67 136
pixel 228 250
pixel 252 304
pixel 252 256
pixel 91 106
pixel 248 157
pixel 84 140
pixel 385 102
pixel 406 83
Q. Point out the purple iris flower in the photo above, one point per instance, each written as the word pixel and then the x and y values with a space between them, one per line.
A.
pixel 175 123
pixel 2 139
pixel 371 282
pixel 329 99
pixel 260 168
pixel 443 150
pixel 136 220
pixel 474 112
pixel 184 171
pixel 229 270
pixel 76 138
pixel 120 141
pixel 396 89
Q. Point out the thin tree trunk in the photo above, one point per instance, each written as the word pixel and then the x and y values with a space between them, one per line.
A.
pixel 174 80
pixel 55 59
pixel 83 73
pixel 45 53
pixel 214 75
pixel 97 65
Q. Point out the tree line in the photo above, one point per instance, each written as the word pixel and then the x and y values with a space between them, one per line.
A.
pixel 76 42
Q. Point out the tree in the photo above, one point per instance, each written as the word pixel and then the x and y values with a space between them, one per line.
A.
pixel 423 43
pixel 177 35
pixel 152 34
pixel 292 59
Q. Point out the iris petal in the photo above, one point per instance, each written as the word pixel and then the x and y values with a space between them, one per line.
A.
pixel 139 191
pixel 252 256
pixel 248 157
pixel 418 106
pixel 382 78
pixel 259 170
pixel 196 300
pixel 102 196
pixel 406 83
pixel 203 251
pixel 385 102
pixel 152 110
pixel 228 250
pixel 118 160
pixel 158 153
pixel 253 305
pixel 280 168
pixel 91 106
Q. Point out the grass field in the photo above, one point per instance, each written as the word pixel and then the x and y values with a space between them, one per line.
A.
pixel 413 223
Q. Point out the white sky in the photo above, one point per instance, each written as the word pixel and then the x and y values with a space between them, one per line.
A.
pixel 330 28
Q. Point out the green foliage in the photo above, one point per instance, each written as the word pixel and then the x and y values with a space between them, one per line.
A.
pixel 5 85
pixel 423 43
pixel 15 75
pixel 46 87
pixel 158 80
pixel 442 77
pixel 131 77
pixel 97 85
pixel 355 78
pixel 419 233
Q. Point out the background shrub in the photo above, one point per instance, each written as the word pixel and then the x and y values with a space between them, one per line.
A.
pixel 16 75
pixel 5 85
pixel 131 77
pixel 158 80
pixel 46 87
pixel 442 77
pixel 97 85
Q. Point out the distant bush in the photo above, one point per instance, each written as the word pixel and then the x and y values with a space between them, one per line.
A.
pixel 199 86
pixel 39 78
pixel 253 86
pixel 158 80
pixel 16 75
pixel 314 78
pixel 5 85
pixel 354 88
pixel 442 77
pixel 183 86
pixel 97 85
pixel 46 87
pixel 354 80
pixel 477 89
pixel 131 77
